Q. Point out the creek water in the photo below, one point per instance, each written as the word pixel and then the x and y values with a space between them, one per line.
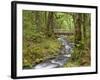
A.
pixel 61 59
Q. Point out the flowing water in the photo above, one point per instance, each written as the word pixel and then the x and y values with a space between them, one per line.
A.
pixel 61 59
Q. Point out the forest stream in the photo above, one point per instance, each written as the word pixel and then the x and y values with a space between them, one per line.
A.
pixel 61 59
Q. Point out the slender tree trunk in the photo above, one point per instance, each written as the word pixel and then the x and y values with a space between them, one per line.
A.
pixel 78 33
pixel 84 25
pixel 50 24
pixel 38 21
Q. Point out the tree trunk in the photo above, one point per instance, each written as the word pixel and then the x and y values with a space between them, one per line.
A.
pixel 38 21
pixel 84 25
pixel 78 33
pixel 50 24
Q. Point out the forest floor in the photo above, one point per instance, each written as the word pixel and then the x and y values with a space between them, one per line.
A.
pixel 80 57
pixel 49 48
pixel 40 51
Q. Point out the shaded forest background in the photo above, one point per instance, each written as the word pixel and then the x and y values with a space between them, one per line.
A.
pixel 40 41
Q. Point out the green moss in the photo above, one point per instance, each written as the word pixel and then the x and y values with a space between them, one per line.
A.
pixel 71 64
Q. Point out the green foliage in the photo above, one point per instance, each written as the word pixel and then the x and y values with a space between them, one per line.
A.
pixel 71 64
pixel 65 21
pixel 39 51
pixel 81 55
pixel 40 42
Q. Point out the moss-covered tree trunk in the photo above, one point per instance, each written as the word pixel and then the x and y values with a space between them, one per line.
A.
pixel 50 24
pixel 78 33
